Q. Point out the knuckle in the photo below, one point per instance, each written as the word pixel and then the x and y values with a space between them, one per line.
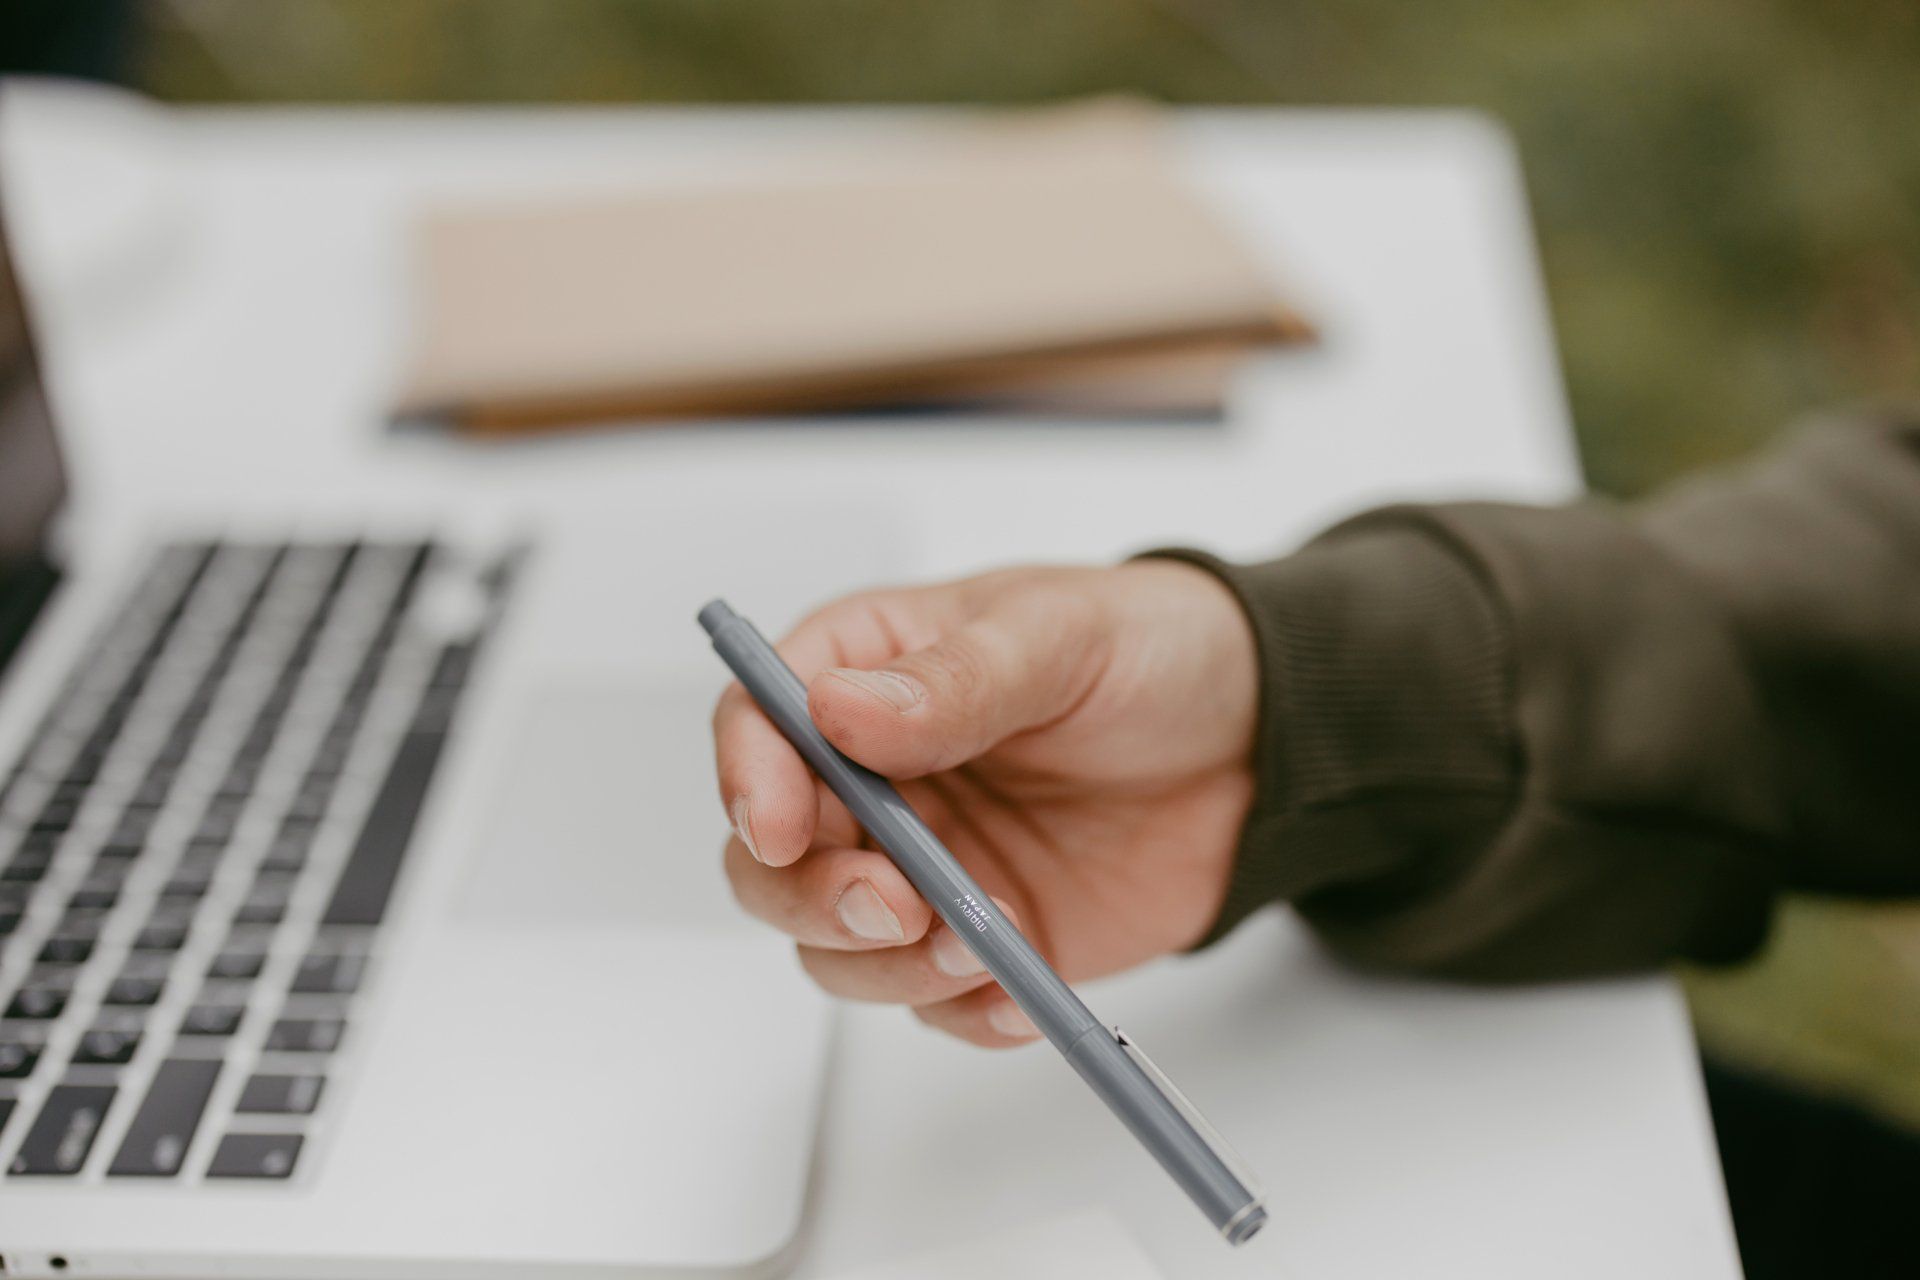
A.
pixel 942 1017
pixel 831 972
pixel 735 862
pixel 811 963
pixel 960 666
pixel 727 709
pixel 1058 624
pixel 829 616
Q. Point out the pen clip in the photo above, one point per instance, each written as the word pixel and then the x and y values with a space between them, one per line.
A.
pixel 1220 1147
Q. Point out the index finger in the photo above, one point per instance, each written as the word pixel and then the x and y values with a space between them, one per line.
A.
pixel 765 786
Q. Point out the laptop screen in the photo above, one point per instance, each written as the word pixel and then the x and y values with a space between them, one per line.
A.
pixel 32 483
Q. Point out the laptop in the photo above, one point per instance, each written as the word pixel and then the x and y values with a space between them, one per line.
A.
pixel 345 933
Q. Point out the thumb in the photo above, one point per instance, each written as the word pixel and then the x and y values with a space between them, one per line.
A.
pixel 1018 665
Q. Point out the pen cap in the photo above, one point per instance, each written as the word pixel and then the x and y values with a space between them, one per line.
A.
pixel 1207 1169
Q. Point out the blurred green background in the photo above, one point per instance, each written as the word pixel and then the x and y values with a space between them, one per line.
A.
pixel 1727 194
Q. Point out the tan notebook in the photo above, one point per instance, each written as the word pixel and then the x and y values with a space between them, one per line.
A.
pixel 1055 255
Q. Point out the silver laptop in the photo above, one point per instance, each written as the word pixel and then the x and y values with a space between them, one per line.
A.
pixel 346 935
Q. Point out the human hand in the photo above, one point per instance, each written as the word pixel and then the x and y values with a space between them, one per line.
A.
pixel 1081 739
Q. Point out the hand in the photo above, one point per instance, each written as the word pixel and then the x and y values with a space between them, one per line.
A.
pixel 1079 738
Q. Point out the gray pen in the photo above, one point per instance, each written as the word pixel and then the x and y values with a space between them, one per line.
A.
pixel 1126 1080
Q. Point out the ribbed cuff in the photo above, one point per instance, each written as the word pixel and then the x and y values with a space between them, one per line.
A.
pixel 1385 676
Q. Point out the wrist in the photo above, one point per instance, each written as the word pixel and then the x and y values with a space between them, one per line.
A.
pixel 1202 628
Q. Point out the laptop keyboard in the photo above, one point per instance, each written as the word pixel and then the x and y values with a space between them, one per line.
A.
pixel 199 846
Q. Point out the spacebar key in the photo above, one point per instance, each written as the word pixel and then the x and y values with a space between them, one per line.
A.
pixel 366 882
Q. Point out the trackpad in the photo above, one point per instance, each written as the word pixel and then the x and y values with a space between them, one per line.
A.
pixel 604 811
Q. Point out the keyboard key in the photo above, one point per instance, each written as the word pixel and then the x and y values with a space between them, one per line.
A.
pixel 255 1155
pixel 63 1132
pixel 26 868
pixel 270 884
pixel 311 804
pixel 66 950
pixel 135 991
pixel 259 739
pixel 306 1035
pixel 107 1045
pixel 274 708
pixel 221 817
pixel 450 670
pixel 237 964
pixel 321 974
pixel 162 1128
pixel 161 937
pixel 82 922
pixel 73 793
pixel 131 832
pixel 187 887
pixel 57 815
pixel 287 854
pixel 212 1020
pixel 85 766
pixel 203 853
pixel 147 965
pixel 109 872
pixel 101 896
pixel 366 882
pixel 281 1094
pixel 249 937
pixel 17 1059
pixel 273 880
pixel 331 759
pixel 38 1003
pixel 264 911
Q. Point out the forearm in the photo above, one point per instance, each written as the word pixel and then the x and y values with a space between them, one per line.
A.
pixel 1511 742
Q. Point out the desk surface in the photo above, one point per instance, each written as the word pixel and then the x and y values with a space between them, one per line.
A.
pixel 225 304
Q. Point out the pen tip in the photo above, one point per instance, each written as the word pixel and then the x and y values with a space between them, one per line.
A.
pixel 715 614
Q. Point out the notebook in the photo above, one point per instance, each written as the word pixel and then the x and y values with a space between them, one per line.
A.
pixel 1053 258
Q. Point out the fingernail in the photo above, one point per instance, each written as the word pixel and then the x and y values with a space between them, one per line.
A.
pixel 865 915
pixel 951 957
pixel 743 827
pixel 1007 1019
pixel 896 690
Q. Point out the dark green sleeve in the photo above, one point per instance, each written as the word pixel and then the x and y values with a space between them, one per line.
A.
pixel 1512 742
